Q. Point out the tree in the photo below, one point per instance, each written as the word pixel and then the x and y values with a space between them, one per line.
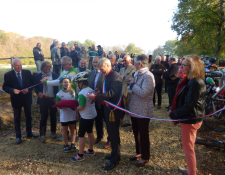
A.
pixel 71 43
pixel 131 48
pixel 170 47
pixel 201 22
pixel 88 43
pixel 158 51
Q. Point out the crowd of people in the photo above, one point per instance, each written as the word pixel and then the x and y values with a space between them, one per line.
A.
pixel 131 83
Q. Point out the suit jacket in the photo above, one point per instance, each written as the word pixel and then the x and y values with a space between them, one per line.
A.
pixel 39 88
pixel 113 85
pixel 126 74
pixel 55 56
pixel 11 82
pixel 172 74
pixel 100 81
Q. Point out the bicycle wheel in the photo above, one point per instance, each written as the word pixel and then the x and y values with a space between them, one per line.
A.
pixel 215 122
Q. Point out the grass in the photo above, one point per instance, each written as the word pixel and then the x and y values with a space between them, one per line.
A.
pixel 4 70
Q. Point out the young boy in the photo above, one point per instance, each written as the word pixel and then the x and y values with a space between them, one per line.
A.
pixel 88 112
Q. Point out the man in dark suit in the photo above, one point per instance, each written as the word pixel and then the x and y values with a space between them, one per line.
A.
pixel 46 99
pixel 14 81
pixel 112 93
pixel 96 80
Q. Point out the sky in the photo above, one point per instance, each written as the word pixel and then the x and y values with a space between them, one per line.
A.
pixel 146 23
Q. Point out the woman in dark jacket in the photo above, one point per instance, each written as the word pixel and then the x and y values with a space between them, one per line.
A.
pixel 189 103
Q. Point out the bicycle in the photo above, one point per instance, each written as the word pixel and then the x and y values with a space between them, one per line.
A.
pixel 213 103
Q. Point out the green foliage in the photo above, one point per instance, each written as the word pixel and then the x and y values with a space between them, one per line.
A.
pixel 131 48
pixel 200 25
pixel 158 51
pixel 15 45
pixel 71 43
pixel 170 47
pixel 88 43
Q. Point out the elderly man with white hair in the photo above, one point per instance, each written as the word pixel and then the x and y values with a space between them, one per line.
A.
pixel 116 67
pixel 14 81
pixel 82 67
pixel 68 70
pixel 112 93
pixel 157 70
pixel 52 46
pixel 126 73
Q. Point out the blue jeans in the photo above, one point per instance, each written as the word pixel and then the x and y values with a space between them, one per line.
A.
pixel 38 65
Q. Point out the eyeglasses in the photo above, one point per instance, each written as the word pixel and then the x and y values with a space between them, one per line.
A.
pixel 64 65
pixel 183 65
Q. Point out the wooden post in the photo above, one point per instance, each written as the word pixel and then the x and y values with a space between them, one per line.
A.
pixel 11 62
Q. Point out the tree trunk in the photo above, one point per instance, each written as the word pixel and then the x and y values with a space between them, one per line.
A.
pixel 219 34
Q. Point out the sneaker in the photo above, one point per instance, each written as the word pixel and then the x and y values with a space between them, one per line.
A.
pixel 42 139
pixel 77 158
pixel 60 139
pixel 73 147
pixel 66 148
pixel 89 153
pixel 54 135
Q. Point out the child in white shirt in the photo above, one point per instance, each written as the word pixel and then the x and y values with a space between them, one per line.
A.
pixel 67 115
pixel 88 112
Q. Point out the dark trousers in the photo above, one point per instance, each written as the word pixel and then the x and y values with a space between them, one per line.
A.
pixel 166 85
pixel 90 67
pixel 17 117
pixel 47 106
pixel 114 137
pixel 141 136
pixel 171 92
pixel 158 89
pixel 99 121
pixel 57 69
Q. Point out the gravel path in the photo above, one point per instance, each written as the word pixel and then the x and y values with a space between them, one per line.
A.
pixel 34 157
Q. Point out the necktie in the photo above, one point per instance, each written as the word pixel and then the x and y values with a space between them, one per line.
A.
pixel 19 79
pixel 94 79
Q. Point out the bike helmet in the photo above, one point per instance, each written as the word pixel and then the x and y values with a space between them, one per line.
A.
pixel 82 76
pixel 212 60
pixel 64 77
pixel 212 65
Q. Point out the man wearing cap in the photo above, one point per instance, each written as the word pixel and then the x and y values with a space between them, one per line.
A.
pixel 206 59
pixel 100 52
pixel 93 53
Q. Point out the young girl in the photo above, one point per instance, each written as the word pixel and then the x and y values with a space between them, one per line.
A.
pixel 88 113
pixel 67 115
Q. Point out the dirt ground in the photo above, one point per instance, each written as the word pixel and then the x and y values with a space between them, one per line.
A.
pixel 34 157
